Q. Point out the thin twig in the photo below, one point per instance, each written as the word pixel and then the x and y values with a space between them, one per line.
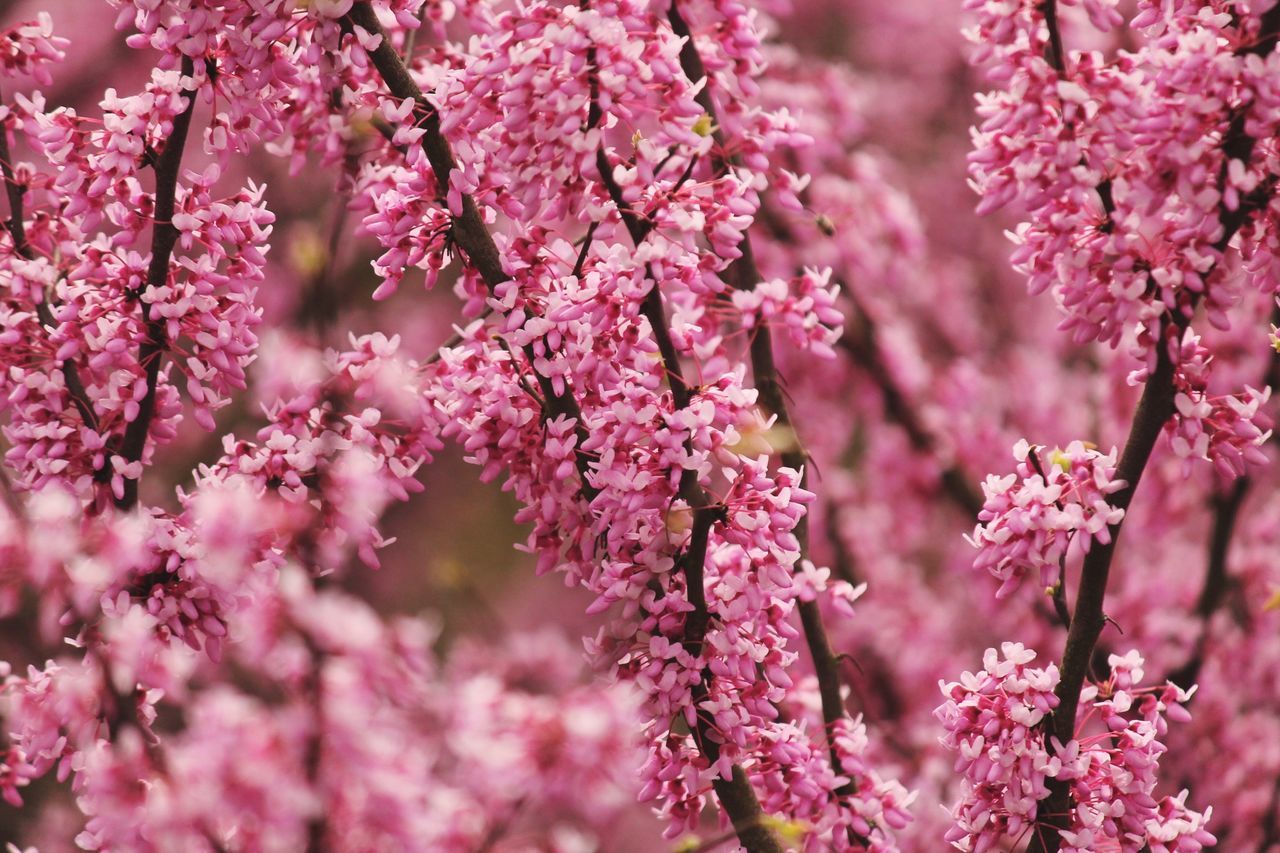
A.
pixel 17 230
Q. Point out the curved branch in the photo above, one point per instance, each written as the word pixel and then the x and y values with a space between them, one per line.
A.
pixel 471 235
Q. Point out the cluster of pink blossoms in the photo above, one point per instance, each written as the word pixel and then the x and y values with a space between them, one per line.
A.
pixel 80 286
pixel 1143 170
pixel 1227 430
pixel 804 308
pixel 660 236
pixel 597 169
pixel 29 48
pixel 1138 168
pixel 994 721
pixel 1031 517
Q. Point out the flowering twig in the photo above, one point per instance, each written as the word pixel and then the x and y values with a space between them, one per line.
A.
pixel 164 238
pixel 735 793
pixel 1226 512
pixel 470 233
pixel 17 231
pixel 469 230
pixel 1155 407
pixel 744 275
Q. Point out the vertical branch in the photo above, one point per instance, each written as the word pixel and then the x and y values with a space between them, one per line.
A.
pixel 744 275
pixel 164 236
pixel 16 193
pixel 735 794
pixel 1055 55
pixel 1154 409
pixel 1226 506
pixel 472 236
pixel 469 231
pixel 1226 509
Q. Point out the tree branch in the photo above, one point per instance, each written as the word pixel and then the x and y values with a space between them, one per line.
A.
pixel 744 275
pixel 1226 508
pixel 471 235
pixel 469 231
pixel 164 236
pixel 735 794
pixel 860 342
pixel 17 230
pixel 1154 408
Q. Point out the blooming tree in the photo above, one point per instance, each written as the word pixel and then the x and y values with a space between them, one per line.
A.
pixel 672 275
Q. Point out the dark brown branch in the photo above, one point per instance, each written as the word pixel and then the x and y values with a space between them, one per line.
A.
pixel 473 238
pixel 1055 54
pixel 859 340
pixel 1154 409
pixel 17 230
pixel 469 232
pixel 164 236
pixel 744 275
pixel 735 794
pixel 313 758
pixel 1226 509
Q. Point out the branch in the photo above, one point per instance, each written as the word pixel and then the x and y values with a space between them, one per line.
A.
pixel 744 275
pixel 860 342
pixel 1226 510
pixel 1056 56
pixel 164 236
pixel 1154 408
pixel 471 235
pixel 17 230
pixel 469 231
pixel 735 794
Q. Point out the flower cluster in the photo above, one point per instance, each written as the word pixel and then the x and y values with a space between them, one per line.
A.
pixel 1113 773
pixel 1143 172
pixel 995 723
pixel 1227 430
pixel 1031 517
pixel 95 299
pixel 804 309
pixel 669 230
pixel 1131 204
pixel 28 49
